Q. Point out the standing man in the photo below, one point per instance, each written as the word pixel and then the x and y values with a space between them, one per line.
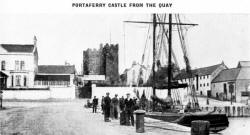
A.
pixel 115 103
pixel 95 103
pixel 122 103
pixel 102 104
pixel 1 99
pixel 122 113
pixel 129 105
pixel 107 102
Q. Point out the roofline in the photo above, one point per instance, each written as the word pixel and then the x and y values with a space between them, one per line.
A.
pixel 54 74
pixel 223 81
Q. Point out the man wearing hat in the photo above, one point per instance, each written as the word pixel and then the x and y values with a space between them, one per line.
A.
pixel 107 102
pixel 129 105
pixel 115 103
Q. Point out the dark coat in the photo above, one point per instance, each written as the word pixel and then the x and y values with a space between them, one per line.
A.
pixel 107 102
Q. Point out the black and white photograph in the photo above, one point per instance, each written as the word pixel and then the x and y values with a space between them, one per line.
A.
pixel 157 73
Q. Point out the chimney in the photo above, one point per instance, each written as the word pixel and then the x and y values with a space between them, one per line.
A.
pixel 35 40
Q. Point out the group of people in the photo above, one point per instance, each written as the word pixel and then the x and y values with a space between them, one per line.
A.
pixel 111 107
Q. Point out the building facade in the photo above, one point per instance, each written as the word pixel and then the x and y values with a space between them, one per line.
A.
pixel 103 61
pixel 202 78
pixel 233 84
pixel 55 76
pixel 136 75
pixel 19 62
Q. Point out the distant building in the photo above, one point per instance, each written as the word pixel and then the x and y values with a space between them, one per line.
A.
pixel 137 75
pixel 22 78
pixel 18 63
pixel 237 78
pixel 103 61
pixel 55 76
pixel 202 78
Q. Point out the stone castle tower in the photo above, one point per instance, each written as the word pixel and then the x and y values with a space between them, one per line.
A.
pixel 103 61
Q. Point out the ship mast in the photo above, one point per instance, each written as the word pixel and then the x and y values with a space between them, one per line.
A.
pixel 154 54
pixel 155 23
pixel 170 55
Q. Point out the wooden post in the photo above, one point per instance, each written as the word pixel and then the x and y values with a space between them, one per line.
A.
pixel 200 127
pixel 234 111
pixel 238 111
pixel 226 112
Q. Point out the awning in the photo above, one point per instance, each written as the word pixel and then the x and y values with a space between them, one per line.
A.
pixel 52 78
pixel 3 74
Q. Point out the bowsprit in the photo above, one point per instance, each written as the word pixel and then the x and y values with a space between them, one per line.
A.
pixel 165 5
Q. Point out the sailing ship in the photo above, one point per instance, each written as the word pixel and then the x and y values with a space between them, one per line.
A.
pixel 171 113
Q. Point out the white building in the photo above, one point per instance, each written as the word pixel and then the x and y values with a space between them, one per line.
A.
pixel 55 76
pixel 19 63
pixel 202 78
pixel 238 78
pixel 137 74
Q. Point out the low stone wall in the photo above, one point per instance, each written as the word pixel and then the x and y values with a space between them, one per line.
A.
pixel 122 91
pixel 26 94
pixel 53 92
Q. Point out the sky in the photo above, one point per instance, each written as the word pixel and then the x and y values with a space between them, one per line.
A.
pixel 63 37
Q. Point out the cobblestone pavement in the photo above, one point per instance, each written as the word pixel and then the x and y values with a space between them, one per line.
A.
pixel 70 118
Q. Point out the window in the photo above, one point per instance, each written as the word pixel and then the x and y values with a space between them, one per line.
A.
pixel 204 84
pixel 25 81
pixel 200 77
pixel 207 76
pixel 200 85
pixel 22 65
pixel 203 77
pixel 18 80
pixel 17 66
pixel 207 84
pixel 12 80
pixel 225 88
pixel 3 65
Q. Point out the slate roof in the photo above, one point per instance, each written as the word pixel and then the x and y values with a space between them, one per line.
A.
pixel 199 71
pixel 227 75
pixel 244 64
pixel 18 48
pixel 244 73
pixel 56 69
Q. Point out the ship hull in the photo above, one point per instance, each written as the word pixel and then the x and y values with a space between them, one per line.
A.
pixel 218 122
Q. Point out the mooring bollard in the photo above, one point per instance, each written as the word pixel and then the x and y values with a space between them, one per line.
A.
pixel 200 127
pixel 139 125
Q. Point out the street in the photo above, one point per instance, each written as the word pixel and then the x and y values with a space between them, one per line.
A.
pixel 70 118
